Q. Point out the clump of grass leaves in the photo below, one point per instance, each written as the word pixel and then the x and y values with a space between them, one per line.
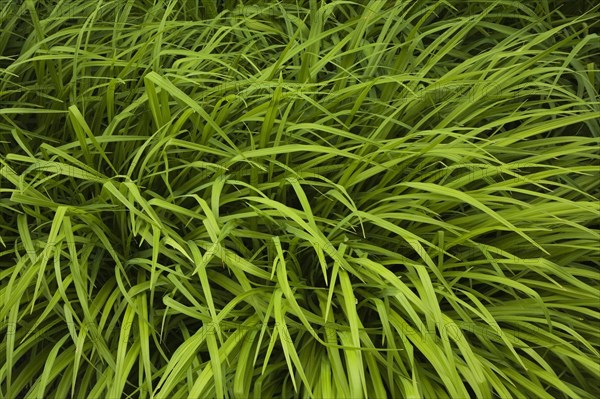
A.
pixel 299 199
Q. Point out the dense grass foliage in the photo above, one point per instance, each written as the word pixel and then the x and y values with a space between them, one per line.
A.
pixel 298 199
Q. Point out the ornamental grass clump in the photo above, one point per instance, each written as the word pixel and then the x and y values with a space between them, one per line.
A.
pixel 375 199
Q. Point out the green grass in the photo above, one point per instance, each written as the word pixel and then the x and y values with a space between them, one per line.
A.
pixel 297 199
